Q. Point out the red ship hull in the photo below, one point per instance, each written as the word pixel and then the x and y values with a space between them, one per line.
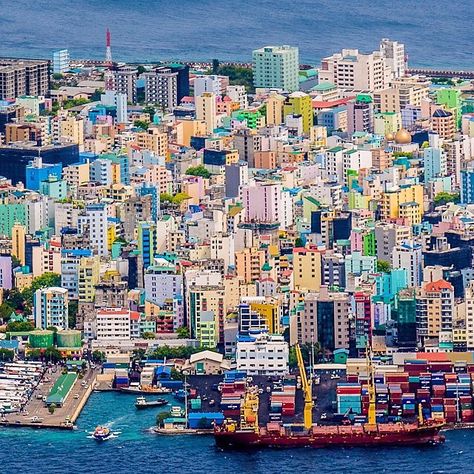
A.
pixel 332 436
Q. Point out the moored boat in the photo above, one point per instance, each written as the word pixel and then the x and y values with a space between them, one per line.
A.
pixel 146 389
pixel 249 434
pixel 142 403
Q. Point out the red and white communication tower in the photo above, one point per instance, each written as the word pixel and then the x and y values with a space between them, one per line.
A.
pixel 108 76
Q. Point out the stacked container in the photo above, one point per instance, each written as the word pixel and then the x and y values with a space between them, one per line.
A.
pixel 232 391
pixel 121 378
pixel 349 398
pixel 283 402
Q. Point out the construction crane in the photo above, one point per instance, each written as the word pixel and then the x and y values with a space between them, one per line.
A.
pixel 307 390
pixel 372 418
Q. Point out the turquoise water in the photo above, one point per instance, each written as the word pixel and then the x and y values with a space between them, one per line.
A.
pixel 137 450
pixel 436 32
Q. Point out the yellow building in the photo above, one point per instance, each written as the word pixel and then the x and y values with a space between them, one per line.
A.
pixel 88 277
pixel 248 263
pixel 185 129
pixel 387 123
pixel 270 312
pixel 275 109
pixel 404 202
pixel 153 140
pixel 206 110
pixel 23 280
pixel 318 136
pixel 18 242
pixel 299 103
pixel 310 204
pixel 307 269
pixel 76 174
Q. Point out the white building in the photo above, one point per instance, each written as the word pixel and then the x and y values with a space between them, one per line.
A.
pixel 394 54
pixel 351 70
pixel 114 324
pixel 238 94
pixel 51 308
pixel 209 83
pixel 118 100
pixel 100 171
pixel 469 298
pixel 162 283
pixel 263 355
pixel 94 224
pixel 409 255
pixel 267 203
pixel 60 61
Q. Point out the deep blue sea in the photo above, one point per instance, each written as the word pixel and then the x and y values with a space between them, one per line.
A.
pixel 436 32
pixel 136 450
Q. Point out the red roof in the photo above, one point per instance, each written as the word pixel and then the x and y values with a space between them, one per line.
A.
pixel 438 286
pixel 328 104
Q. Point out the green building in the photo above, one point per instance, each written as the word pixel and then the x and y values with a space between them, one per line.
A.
pixel 369 244
pixel 451 98
pixel 276 67
pixel 11 214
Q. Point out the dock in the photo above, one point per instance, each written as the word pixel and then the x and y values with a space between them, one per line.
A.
pixel 64 416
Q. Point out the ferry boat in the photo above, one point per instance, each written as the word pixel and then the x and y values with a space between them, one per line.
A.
pixel 101 433
pixel 248 433
pixel 142 403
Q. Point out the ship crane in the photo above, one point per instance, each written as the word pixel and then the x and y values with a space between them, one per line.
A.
pixel 307 390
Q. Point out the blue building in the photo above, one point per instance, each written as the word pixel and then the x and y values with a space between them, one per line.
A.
pixel 37 172
pixel 467 187
pixel 434 163
pixel 149 189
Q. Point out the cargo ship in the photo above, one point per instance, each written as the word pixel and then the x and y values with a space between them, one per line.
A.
pixel 145 390
pixel 248 433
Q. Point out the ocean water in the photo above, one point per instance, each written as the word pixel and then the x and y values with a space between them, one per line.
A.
pixel 436 32
pixel 139 451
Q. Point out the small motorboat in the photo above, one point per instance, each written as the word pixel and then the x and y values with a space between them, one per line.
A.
pixel 142 402
pixel 101 433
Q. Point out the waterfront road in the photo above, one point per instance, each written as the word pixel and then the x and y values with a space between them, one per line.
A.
pixel 36 407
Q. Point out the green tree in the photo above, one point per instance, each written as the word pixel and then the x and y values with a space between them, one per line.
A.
pixel 52 408
pixel 51 354
pixel 6 355
pixel 72 313
pixel 183 332
pixel 199 170
pixel 148 335
pixel 161 417
pixel 141 124
pixel 46 280
pixel 34 354
pixel 299 242
pixel 20 326
pixel 95 97
pixel 57 76
pixel 443 198
pixel 6 310
pixel 15 299
pixel 383 266
pixel 99 356
pixel 176 374
pixel 238 75
pixel 150 110
pixel 141 69
pixel 138 354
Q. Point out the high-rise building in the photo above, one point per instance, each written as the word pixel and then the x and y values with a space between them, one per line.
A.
pixel 51 308
pixel 409 256
pixel 125 82
pixel 182 79
pixel 23 77
pixel 394 54
pixel 18 242
pixel 435 309
pixel 118 100
pixel 94 224
pixel 360 115
pixel 276 67
pixel 351 70
pixel 467 186
pixel 206 110
pixel 306 269
pixel 210 83
pixel 299 104
pixel 60 61
pixel 325 319
pixel 161 87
